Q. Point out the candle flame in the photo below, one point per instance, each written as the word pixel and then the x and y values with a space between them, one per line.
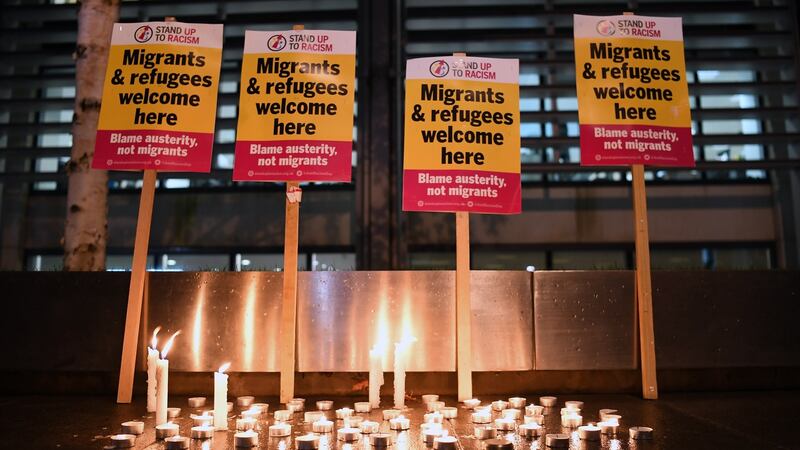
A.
pixel 168 345
pixel 154 341
pixel 224 367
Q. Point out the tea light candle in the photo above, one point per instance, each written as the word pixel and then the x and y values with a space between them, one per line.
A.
pixel 534 410
pixel 313 416
pixel 363 407
pixel 294 407
pixel 571 420
pixel 449 412
pixel 530 430
pixel 499 444
pixel 197 402
pixel 568 411
pixel 612 418
pixel 548 401
pixel 430 426
pixel 504 424
pixel 427 398
pixel 253 413
pixel 173 413
pixel 429 435
pixel 535 419
pixel 434 417
pixel 221 398
pixel 298 401
pixel 368 427
pixel 123 440
pixel 557 440
pixel 307 442
pixel 166 430
pixel 322 426
pixel 604 412
pixel 203 432
pixel 445 442
pixel 481 417
pixel 282 415
pixel 517 402
pixel 609 427
pixel 133 427
pixel 399 423
pixel 499 405
pixel 244 424
pixel 244 401
pixel 434 406
pixel 245 439
pixel 514 414
pixel 354 421
pixel 484 432
pixel 574 404
pixel 380 439
pixel 280 430
pixel 641 433
pixel 176 443
pixel 589 432
pixel 325 405
pixel 348 434
pixel 472 403
pixel 263 407
pixel 343 413
pixel 389 414
pixel 202 419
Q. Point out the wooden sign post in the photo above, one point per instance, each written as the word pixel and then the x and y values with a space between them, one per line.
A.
pixel 130 341
pixel 289 303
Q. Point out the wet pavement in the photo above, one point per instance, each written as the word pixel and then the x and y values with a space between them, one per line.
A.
pixel 730 420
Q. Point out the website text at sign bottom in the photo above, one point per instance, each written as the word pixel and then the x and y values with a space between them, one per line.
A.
pixel 454 190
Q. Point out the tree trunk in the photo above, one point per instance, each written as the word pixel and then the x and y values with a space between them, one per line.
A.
pixel 86 227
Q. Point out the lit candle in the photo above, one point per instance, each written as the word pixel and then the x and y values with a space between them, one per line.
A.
pixel 245 439
pixel 427 398
pixel 152 363
pixel 203 432
pixel 399 423
pixel 325 405
pixel 499 444
pixel 548 401
pixel 376 374
pixel 434 417
pixel 504 424
pixel 221 398
pixel 572 420
pixel 499 405
pixel 511 414
pixel 363 407
pixel 348 434
pixel 280 430
pixel 574 404
pixel 369 427
pixel 246 423
pixel 534 410
pixel 517 402
pixel 589 432
pixel 313 416
pixel 197 402
pixel 166 430
pixel 245 401
pixel 354 421
pixel 282 415
pixel 535 419
pixel 254 413
pixel 176 443
pixel 132 427
pixel 390 414
pixel 430 434
pixel 202 419
pixel 604 412
pixel 557 440
pixel 173 412
pixel 343 413
pixel 380 440
pixel 481 417
pixel 322 426
pixel 445 442
pixel 608 427
pixel 434 406
pixel 162 373
pixel 307 442
pixel 484 432
pixel 296 404
pixel 263 407
pixel 641 433
pixel 401 353
pixel 123 440
pixel 472 403
pixel 530 430
pixel 449 412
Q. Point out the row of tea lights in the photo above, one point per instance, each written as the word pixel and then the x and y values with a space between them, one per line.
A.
pixel 432 432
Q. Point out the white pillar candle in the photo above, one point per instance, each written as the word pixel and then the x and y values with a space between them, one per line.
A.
pixel 399 423
pixel 176 443
pixel 399 375
pixel 472 403
pixel 589 432
pixel 152 380
pixel 162 373
pixel 517 402
pixel 244 424
pixel 245 439
pixel 221 398
pixel 322 426
pixel 363 407
pixel 376 375
pixel 166 430
pixel 123 440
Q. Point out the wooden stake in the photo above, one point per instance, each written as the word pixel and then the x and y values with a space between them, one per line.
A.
pixel 463 306
pixel 644 295
pixel 289 304
pixel 135 292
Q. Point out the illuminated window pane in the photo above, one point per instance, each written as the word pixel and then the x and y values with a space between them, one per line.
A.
pixel 589 259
